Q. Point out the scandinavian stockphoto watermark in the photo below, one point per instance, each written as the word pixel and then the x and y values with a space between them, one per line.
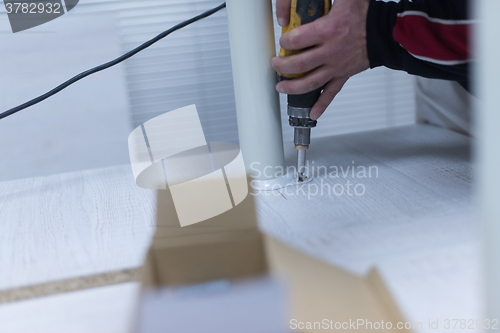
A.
pixel 337 180
pixel 26 14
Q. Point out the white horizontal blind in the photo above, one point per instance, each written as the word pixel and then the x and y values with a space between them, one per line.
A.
pixel 193 66
pixel 375 99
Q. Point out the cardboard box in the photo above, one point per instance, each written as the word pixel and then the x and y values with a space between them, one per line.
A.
pixel 209 277
pixel 198 277
pixel 227 246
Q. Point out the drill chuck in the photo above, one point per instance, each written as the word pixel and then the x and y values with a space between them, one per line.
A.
pixel 302 123
pixel 300 113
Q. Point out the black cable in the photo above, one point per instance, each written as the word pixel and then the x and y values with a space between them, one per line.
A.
pixel 111 63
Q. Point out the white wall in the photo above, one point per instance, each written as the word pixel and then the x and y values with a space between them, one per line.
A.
pixel 84 127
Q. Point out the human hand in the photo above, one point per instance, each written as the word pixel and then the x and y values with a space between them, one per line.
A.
pixel 336 50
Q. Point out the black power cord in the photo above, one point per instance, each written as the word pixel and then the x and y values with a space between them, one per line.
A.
pixel 111 63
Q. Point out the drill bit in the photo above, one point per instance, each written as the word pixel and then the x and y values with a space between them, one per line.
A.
pixel 299 118
pixel 302 138
pixel 301 163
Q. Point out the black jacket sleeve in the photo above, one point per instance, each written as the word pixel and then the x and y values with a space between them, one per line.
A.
pixel 428 38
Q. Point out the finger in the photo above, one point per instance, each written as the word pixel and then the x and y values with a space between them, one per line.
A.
pixel 305 36
pixel 283 12
pixel 307 83
pixel 302 62
pixel 331 90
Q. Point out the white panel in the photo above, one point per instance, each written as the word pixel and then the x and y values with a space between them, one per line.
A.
pixel 488 52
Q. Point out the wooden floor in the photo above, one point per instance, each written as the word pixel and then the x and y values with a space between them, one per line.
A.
pixel 414 222
pixel 71 225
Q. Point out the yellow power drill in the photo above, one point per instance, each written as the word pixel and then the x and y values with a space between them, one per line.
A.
pixel 299 106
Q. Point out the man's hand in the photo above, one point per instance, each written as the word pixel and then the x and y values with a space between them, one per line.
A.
pixel 337 51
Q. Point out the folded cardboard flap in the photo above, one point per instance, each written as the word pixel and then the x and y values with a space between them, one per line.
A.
pixel 322 291
pixel 208 260
pixel 227 246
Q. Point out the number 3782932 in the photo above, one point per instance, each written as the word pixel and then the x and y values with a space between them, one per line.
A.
pixel 487 324
pixel 33 8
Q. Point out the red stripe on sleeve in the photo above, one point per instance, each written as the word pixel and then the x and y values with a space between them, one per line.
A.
pixel 423 38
